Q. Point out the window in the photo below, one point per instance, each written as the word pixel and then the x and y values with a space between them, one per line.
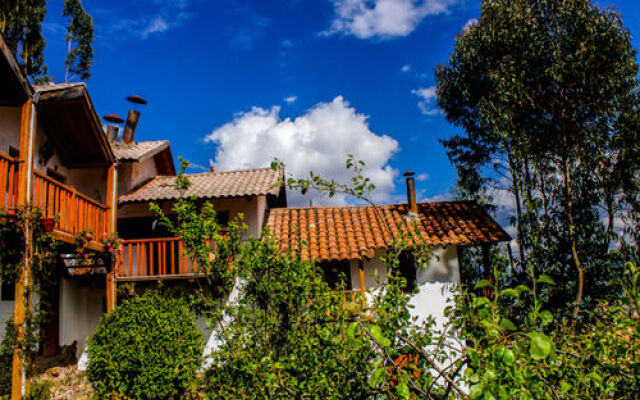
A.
pixel 56 175
pixel 337 274
pixel 408 271
pixel 7 289
pixel 222 217
pixel 13 152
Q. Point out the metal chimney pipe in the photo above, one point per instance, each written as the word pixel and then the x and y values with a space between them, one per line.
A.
pixel 411 192
pixel 130 127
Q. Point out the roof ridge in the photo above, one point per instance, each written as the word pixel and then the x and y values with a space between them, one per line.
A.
pixel 380 205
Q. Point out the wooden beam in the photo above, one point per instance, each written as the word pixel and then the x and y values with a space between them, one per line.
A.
pixel 112 203
pixel 23 82
pixel 23 290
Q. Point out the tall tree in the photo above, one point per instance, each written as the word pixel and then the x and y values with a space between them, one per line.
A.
pixel 547 93
pixel 79 40
pixel 21 27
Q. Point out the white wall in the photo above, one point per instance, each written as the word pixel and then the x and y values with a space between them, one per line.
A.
pixel 10 128
pixel 436 282
pixel 132 174
pixel 81 307
pixel 91 182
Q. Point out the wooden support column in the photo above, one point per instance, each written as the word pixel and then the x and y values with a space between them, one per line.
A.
pixel 22 301
pixel 112 203
pixel 363 286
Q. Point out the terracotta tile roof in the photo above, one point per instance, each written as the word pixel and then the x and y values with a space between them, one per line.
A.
pixel 349 233
pixel 138 151
pixel 210 185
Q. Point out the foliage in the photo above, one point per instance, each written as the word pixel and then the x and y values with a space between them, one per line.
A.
pixel 40 390
pixel 205 240
pixel 285 335
pixel 547 94
pixel 21 27
pixel 12 256
pixel 148 348
pixel 546 357
pixel 79 40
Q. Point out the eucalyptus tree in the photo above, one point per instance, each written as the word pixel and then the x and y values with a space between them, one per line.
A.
pixel 79 40
pixel 546 91
pixel 21 27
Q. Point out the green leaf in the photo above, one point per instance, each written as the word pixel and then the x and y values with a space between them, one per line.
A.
pixel 376 332
pixel 539 346
pixel 544 278
pixel 377 377
pixel 482 284
pixel 510 292
pixel 522 288
pixel 351 331
pixel 476 391
pixel 546 317
pixel 508 325
pixel 508 357
pixel 402 390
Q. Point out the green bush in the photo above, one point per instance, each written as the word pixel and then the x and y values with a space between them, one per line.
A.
pixel 148 348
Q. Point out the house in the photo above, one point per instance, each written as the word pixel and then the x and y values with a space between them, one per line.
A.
pixel 347 243
pixel 55 156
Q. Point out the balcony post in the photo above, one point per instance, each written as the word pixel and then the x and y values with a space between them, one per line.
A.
pixel 112 203
pixel 22 301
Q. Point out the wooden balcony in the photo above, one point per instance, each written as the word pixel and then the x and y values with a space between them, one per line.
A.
pixel 8 182
pixel 76 211
pixel 155 259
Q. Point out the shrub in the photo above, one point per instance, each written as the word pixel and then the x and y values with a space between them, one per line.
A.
pixel 148 348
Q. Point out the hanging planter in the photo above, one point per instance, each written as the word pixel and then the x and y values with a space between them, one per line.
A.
pixel 48 224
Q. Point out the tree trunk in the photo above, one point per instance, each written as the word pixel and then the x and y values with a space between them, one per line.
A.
pixel 515 189
pixel 566 172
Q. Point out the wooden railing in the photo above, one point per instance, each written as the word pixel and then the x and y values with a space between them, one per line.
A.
pixel 8 182
pixel 163 258
pixel 76 211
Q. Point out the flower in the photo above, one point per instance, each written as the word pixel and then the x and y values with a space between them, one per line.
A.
pixel 85 256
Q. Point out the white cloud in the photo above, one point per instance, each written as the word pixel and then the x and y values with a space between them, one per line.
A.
pixel 317 141
pixel 470 23
pixel 290 99
pixel 384 19
pixel 427 103
pixel 157 25
pixel 422 177
pixel 405 68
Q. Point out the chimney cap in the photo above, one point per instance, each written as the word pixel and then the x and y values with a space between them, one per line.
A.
pixel 408 174
pixel 113 118
pixel 136 99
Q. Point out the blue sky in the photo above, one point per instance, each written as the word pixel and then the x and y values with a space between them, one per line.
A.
pixel 307 81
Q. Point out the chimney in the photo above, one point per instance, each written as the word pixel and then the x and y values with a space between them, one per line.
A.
pixel 112 134
pixel 130 127
pixel 211 167
pixel 132 119
pixel 411 194
pixel 112 130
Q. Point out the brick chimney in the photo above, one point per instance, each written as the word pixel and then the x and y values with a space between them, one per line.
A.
pixel 211 167
pixel 411 194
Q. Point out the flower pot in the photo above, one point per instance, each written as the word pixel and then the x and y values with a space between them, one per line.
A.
pixel 48 224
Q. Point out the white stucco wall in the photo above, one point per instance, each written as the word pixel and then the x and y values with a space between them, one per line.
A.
pixel 436 282
pixel 81 307
pixel 132 174
pixel 91 182
pixel 9 128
